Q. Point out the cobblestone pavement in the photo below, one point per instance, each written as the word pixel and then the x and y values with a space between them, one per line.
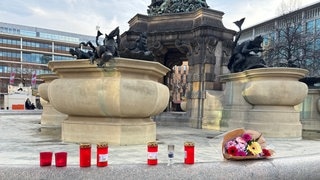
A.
pixel 22 138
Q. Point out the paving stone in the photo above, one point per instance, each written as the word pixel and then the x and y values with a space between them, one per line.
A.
pixel 21 140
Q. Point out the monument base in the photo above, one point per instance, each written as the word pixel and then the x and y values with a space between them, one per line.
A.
pixel 212 110
pixel 310 128
pixel 265 100
pixel 114 131
pixel 233 118
pixel 50 116
pixel 277 122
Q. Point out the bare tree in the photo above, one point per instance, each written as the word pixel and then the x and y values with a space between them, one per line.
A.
pixel 292 44
pixel 288 6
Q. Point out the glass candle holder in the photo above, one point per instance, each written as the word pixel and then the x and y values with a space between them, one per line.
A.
pixel 152 153
pixel 85 155
pixel 189 153
pixel 61 159
pixel 102 154
pixel 170 154
pixel 45 158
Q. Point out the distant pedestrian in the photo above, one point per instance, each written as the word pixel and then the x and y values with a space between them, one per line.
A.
pixel 28 105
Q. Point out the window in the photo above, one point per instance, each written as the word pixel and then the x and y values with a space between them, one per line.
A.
pixel 37 45
pixel 59 37
pixel 309 61
pixel 317 24
pixel 28 33
pixel 36 58
pixel 61 48
pixel 63 58
pixel 310 26
pixel 317 44
pixel 9 41
pixel 266 41
pixel 9 54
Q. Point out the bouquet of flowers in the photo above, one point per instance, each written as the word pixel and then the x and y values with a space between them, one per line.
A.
pixel 240 144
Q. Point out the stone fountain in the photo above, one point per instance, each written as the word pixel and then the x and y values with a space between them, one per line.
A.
pixel 264 99
pixel 111 104
pixel 260 97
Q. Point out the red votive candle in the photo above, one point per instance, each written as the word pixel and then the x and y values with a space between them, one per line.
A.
pixel 45 158
pixel 102 154
pixel 189 153
pixel 85 155
pixel 61 159
pixel 152 153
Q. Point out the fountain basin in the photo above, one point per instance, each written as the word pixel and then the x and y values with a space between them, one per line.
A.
pixel 112 104
pixel 51 119
pixel 275 86
pixel 264 99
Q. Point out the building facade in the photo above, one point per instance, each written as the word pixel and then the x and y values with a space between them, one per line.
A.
pixel 309 16
pixel 25 52
pixel 292 39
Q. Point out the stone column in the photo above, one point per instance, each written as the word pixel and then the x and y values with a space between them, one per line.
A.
pixel 201 76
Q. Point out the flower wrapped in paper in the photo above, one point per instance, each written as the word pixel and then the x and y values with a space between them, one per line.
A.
pixel 241 144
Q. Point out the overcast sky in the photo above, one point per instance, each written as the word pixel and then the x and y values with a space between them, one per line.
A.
pixel 82 16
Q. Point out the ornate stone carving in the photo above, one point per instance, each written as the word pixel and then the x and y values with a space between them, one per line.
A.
pixel 184 47
pixel 158 49
pixel 211 44
pixel 226 51
pixel 158 7
pixel 137 49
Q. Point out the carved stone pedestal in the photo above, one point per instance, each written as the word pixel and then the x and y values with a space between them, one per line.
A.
pixel 263 99
pixel 118 131
pixel 112 104
pixel 51 119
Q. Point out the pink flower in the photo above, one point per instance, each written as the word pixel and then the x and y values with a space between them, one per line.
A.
pixel 230 143
pixel 247 137
pixel 241 147
pixel 241 153
pixel 240 140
